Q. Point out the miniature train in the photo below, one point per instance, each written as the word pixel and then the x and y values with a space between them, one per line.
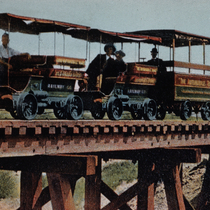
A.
pixel 34 85
pixel 147 93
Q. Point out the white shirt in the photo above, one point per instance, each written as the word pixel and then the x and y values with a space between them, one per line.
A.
pixel 107 57
pixel 7 52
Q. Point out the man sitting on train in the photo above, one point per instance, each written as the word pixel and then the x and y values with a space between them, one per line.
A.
pixel 111 71
pixel 5 53
pixel 156 61
pixel 98 64
pixel 119 65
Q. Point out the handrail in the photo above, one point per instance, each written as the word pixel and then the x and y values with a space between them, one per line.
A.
pixel 43 60
pixel 181 64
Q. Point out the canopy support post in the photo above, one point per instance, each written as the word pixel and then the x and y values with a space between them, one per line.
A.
pixel 63 44
pixel 173 55
pixel 204 55
pixel 54 42
pixel 189 54
pixel 39 44
pixel 87 48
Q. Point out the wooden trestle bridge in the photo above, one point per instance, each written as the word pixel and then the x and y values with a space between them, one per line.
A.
pixel 68 150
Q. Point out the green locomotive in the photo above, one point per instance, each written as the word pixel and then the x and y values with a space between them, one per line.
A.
pixel 34 85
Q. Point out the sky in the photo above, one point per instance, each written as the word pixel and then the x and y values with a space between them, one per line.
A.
pixel 191 16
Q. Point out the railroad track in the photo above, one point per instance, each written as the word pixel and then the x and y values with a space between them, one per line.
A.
pixel 90 136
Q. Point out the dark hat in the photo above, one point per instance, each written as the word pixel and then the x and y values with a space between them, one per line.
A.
pixel 120 52
pixel 109 45
pixel 5 34
pixel 154 50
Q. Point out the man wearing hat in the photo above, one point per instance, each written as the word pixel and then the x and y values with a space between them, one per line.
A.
pixel 97 65
pixel 112 70
pixel 156 61
pixel 120 65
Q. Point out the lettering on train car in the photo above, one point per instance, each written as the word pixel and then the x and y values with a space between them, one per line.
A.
pixel 56 86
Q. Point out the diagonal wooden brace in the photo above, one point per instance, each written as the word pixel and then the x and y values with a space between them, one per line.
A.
pixel 173 188
pixel 130 193
pixel 111 195
pixel 31 188
pixel 60 192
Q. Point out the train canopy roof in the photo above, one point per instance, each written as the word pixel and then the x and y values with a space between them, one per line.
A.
pixel 181 38
pixel 96 35
pixel 30 25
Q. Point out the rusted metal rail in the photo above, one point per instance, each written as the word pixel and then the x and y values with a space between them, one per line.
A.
pixel 68 150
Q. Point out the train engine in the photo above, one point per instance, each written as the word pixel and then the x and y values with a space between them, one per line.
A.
pixel 34 85
pixel 128 92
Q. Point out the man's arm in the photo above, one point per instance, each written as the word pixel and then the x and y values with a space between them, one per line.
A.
pixel 2 62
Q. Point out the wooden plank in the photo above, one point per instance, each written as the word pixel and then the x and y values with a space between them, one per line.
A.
pixel 92 185
pixel 173 188
pixel 43 198
pixel 60 192
pixel 145 198
pixel 111 195
pixel 187 65
pixel 123 198
pixel 31 188
pixel 204 197
pixel 66 164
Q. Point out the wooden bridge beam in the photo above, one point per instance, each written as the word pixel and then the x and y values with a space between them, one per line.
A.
pixel 92 185
pixel 145 199
pixel 173 188
pixel 204 197
pixel 60 192
pixel 111 195
pixel 31 188
pixel 64 170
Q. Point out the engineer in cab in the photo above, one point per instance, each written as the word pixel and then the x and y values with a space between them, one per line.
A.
pixel 5 53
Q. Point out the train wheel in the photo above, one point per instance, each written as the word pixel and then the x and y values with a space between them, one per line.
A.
pixel 161 112
pixel 74 107
pixel 60 113
pixel 205 111
pixel 137 113
pixel 97 111
pixel 27 106
pixel 185 110
pixel 150 109
pixel 114 108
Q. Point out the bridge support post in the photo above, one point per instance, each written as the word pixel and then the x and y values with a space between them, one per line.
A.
pixel 60 191
pixel 204 198
pixel 31 188
pixel 173 188
pixel 145 198
pixel 92 186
